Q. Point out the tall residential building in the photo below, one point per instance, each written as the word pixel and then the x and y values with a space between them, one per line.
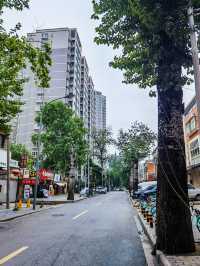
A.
pixel 84 91
pixel 65 74
pixel 91 107
pixel 100 111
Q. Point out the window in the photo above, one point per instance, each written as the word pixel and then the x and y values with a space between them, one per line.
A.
pixel 192 124
pixel 34 154
pixel 194 148
pixel 45 35
pixel 73 33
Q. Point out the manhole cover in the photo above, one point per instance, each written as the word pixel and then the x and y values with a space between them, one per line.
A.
pixel 58 214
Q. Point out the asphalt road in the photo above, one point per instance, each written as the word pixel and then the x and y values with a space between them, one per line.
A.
pixel 99 231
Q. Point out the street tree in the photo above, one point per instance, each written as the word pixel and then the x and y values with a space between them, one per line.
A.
pixel 154 38
pixel 102 138
pixel 18 151
pixel 62 137
pixel 117 171
pixel 16 54
pixel 134 144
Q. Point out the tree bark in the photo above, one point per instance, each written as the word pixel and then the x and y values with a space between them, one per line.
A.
pixel 174 228
pixel 71 189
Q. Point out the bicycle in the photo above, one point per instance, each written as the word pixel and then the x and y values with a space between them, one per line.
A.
pixel 195 217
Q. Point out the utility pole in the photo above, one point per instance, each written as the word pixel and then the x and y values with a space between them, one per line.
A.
pixel 88 165
pixel 8 175
pixel 195 58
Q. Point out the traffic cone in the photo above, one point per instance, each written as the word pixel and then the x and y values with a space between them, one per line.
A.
pixel 19 205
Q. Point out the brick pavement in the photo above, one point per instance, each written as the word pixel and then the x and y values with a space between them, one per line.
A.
pixel 189 260
pixel 184 260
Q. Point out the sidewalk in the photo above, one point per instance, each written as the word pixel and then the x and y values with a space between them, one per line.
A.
pixel 42 205
pixel 8 215
pixel 164 260
pixel 58 199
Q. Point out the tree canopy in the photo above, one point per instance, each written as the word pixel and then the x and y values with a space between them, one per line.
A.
pixel 135 143
pixel 117 172
pixel 63 132
pixel 16 54
pixel 138 27
pixel 101 140
pixel 18 150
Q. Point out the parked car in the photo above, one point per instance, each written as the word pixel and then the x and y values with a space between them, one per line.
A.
pixel 149 192
pixel 84 192
pixel 101 190
pixel 142 185
pixel 144 188
pixel 42 193
pixel 193 193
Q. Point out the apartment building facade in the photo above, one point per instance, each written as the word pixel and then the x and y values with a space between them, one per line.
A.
pixel 192 142
pixel 65 74
pixel 147 169
pixel 91 107
pixel 84 91
pixel 100 111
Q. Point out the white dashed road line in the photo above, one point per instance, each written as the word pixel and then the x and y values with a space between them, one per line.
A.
pixel 80 214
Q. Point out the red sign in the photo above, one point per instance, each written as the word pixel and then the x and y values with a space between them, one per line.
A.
pixel 28 181
pixel 45 174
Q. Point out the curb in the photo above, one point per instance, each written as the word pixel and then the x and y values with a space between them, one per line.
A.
pixel 22 215
pixel 161 259
pixel 51 202
pixel 33 212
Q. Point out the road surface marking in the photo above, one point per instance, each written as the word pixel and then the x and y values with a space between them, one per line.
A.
pixel 12 255
pixel 80 214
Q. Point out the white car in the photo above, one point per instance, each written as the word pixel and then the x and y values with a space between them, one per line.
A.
pixel 193 192
pixel 84 192
pixel 101 190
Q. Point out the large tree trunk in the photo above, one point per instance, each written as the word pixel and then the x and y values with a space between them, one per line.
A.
pixel 71 189
pixel 174 228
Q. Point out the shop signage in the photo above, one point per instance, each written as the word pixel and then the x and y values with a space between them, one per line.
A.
pixel 57 178
pixel 25 173
pixel 26 191
pixel 32 174
pixel 45 174
pixel 3 160
pixel 28 182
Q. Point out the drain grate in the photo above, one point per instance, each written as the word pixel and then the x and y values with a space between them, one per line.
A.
pixel 58 214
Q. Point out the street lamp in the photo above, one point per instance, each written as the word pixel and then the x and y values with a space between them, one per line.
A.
pixel 39 143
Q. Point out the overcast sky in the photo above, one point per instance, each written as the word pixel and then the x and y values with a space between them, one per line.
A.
pixel 125 104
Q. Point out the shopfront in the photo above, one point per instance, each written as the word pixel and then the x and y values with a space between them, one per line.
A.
pixel 46 178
